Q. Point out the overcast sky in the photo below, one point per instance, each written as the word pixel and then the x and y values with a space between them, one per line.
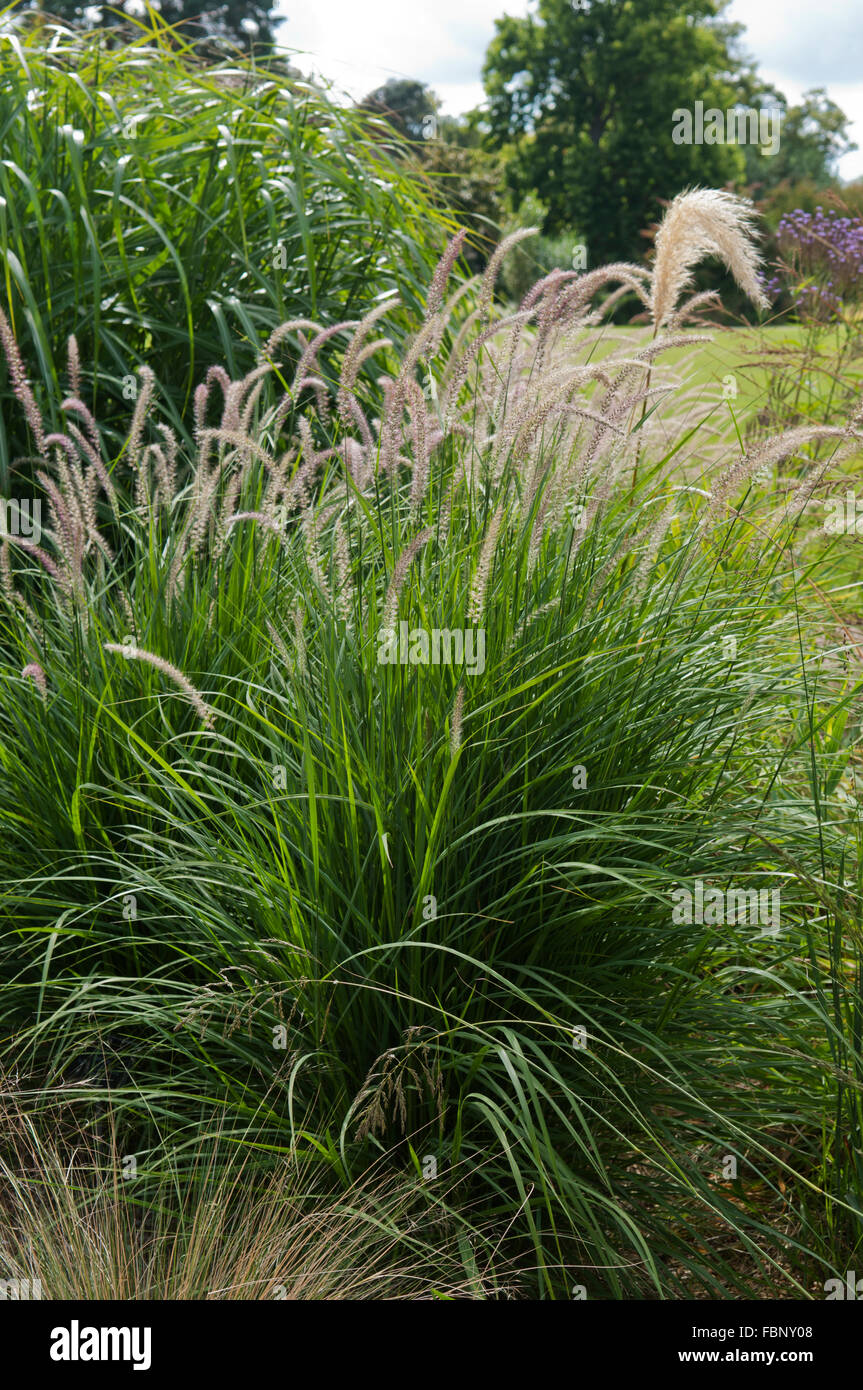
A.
pixel 358 44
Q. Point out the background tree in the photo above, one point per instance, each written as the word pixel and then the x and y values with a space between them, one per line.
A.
pixel 585 91
pixel 410 107
pixel 244 23
pixel 813 137
pixel 465 177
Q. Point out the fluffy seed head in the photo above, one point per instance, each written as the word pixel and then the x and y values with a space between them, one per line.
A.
pixel 33 671
pixel 703 222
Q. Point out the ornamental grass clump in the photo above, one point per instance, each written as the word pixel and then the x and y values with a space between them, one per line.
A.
pixel 414 911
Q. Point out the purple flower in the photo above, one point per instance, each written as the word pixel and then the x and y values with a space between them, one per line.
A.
pixel 822 261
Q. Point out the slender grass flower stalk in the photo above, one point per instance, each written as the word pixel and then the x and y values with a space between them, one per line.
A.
pixel 476 603
pixel 139 415
pixel 202 395
pixel 424 344
pixel 349 409
pixel 283 331
pixel 44 559
pixel 647 561
pixel 20 384
pixel 458 368
pixel 134 653
pixel 263 518
pixel 236 394
pixel 91 452
pixel 490 274
pixel 456 723
pixel 307 364
pixel 399 575
pixel 443 270
pixel 279 643
pixel 421 445
pixel 768 451
pixel 344 572
pixel 698 223
pixel 73 365
pixel 300 643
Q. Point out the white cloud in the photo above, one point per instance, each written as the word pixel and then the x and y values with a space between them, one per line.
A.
pixel 798 44
pixel 441 42
pixel 814 44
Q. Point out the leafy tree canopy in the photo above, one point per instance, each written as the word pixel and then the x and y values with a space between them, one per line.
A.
pixel 585 91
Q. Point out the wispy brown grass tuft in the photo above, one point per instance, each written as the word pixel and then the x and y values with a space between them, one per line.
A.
pixel 229 1231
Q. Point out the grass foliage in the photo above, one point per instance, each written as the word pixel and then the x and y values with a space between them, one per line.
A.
pixel 282 920
pixel 173 213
